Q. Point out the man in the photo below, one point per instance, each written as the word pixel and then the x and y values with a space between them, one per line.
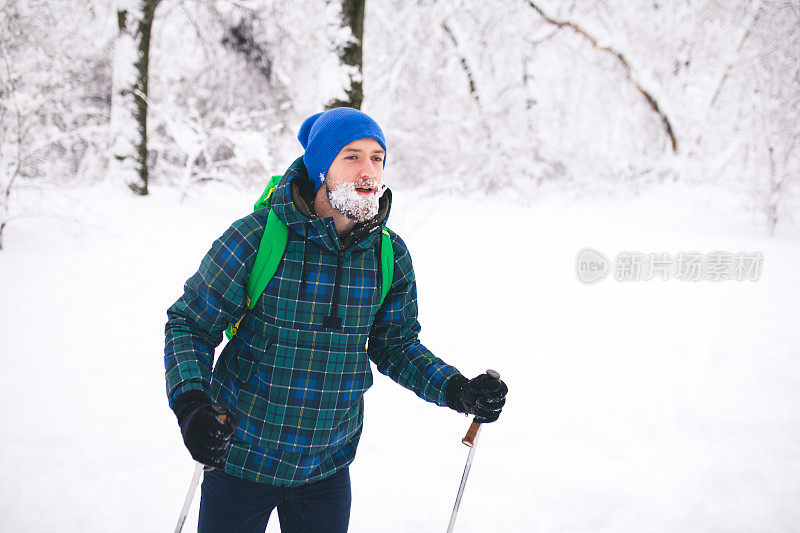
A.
pixel 291 380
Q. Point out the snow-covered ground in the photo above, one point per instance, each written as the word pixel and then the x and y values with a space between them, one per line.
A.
pixel 646 406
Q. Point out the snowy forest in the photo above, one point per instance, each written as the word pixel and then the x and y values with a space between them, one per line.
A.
pixel 526 140
pixel 474 95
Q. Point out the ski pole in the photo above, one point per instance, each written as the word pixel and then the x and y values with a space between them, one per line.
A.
pixel 471 440
pixel 199 468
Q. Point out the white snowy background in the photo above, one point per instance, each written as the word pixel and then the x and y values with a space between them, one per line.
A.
pixel 644 406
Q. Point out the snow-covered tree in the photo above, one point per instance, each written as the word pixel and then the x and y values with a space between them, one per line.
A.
pixel 492 94
pixel 351 55
pixel 231 82
pixel 128 125
pixel 764 94
pixel 54 85
pixel 455 89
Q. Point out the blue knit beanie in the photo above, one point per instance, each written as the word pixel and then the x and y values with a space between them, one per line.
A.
pixel 325 134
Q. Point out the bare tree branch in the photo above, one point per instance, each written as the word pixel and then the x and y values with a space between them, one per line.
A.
pixel 473 90
pixel 6 193
pixel 729 66
pixel 651 101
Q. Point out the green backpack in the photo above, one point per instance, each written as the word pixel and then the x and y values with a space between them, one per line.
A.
pixel 273 245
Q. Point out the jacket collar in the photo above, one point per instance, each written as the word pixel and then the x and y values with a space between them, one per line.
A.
pixel 292 201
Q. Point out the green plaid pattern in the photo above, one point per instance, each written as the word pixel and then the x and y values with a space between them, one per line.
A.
pixel 295 385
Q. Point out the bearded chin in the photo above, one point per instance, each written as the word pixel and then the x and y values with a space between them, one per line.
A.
pixel 355 206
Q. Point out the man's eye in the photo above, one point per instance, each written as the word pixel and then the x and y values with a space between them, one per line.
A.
pixel 377 158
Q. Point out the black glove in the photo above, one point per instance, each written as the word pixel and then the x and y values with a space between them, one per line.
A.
pixel 206 436
pixel 483 396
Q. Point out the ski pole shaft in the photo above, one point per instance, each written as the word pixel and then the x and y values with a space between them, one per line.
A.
pixel 199 468
pixel 464 477
pixel 471 440
pixel 198 471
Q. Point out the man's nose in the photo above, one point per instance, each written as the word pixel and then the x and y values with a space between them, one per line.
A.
pixel 367 169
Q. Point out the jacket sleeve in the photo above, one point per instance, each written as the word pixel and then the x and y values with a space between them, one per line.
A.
pixel 213 297
pixel 394 345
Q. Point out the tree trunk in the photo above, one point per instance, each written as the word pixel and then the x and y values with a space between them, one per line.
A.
pixel 352 55
pixel 128 123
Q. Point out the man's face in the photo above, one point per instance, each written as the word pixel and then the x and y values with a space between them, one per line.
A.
pixel 353 182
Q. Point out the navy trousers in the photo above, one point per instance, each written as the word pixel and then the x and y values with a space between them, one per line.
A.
pixel 230 504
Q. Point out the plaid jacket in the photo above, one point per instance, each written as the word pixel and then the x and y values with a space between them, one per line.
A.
pixel 295 384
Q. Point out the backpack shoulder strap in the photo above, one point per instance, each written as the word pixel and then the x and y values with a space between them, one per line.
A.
pixel 387 264
pixel 270 251
pixel 269 255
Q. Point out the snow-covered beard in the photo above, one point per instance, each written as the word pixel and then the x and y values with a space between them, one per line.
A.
pixel 356 206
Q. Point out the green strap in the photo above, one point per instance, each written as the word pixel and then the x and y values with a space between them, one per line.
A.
pixel 269 255
pixel 270 251
pixel 387 264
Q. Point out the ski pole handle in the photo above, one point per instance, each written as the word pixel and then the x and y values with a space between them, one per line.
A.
pixel 222 415
pixel 472 432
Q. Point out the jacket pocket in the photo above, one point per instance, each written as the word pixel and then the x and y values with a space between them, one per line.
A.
pixel 247 353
